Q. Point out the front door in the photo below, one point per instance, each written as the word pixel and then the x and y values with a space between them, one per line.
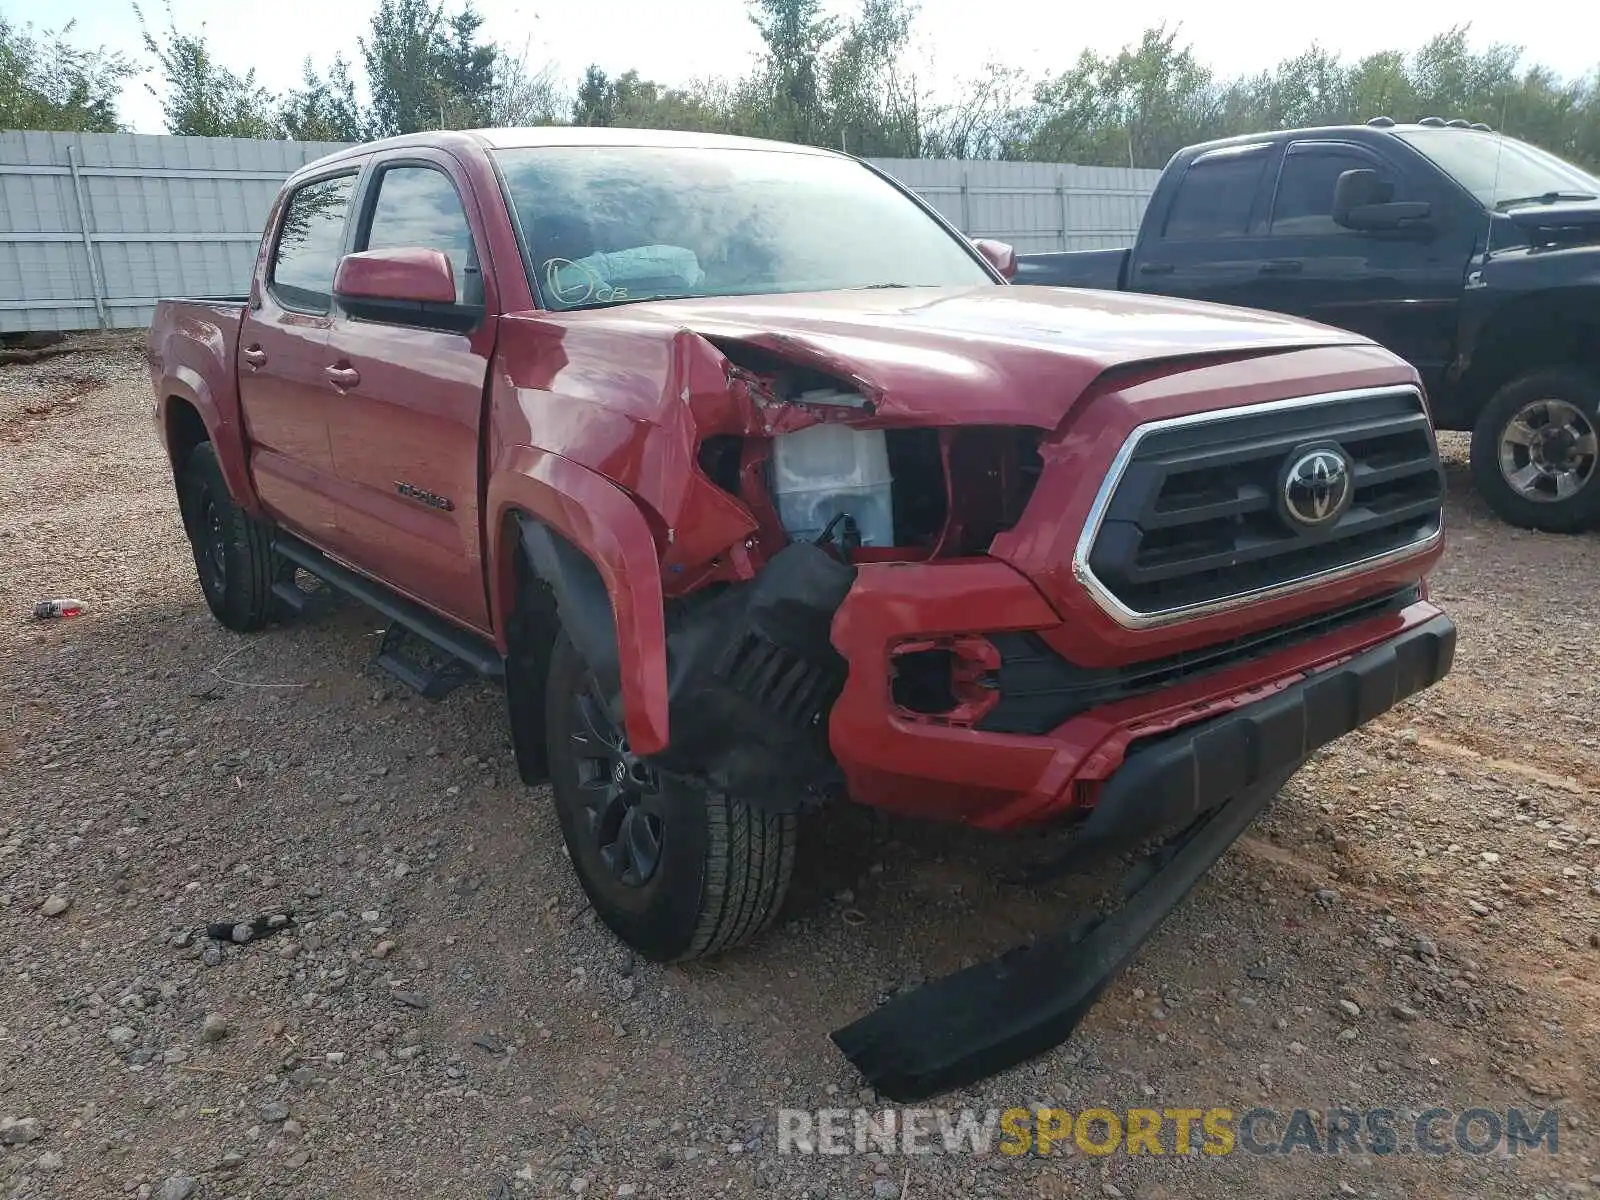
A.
pixel 282 353
pixel 406 420
pixel 1400 287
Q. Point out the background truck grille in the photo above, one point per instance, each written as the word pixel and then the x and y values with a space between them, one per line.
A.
pixel 1195 512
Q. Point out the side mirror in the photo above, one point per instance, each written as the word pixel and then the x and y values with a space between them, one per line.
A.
pixel 1361 201
pixel 999 255
pixel 409 275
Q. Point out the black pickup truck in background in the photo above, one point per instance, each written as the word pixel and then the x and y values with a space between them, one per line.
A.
pixel 1471 254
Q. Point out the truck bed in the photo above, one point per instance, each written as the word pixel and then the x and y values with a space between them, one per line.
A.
pixel 1105 270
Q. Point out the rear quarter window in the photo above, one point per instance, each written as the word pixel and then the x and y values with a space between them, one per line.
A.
pixel 1215 197
pixel 309 240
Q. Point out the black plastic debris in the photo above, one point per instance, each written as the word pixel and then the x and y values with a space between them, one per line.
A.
pixel 252 930
pixel 967 1026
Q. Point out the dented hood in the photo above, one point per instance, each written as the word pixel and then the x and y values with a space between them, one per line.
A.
pixel 1006 355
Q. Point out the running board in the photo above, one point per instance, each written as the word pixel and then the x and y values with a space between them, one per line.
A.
pixel 457 643
pixel 967 1026
pixel 422 673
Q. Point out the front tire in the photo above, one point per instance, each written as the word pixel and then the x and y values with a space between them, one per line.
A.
pixel 674 868
pixel 1536 453
pixel 232 551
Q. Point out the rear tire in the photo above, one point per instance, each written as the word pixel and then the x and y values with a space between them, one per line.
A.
pixel 232 551
pixel 675 869
pixel 1536 453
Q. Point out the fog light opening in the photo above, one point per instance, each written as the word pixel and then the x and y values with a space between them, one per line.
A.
pixel 948 680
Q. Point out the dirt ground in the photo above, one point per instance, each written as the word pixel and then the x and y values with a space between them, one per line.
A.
pixel 1413 925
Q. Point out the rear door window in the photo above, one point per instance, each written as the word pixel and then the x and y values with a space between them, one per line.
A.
pixel 1215 197
pixel 310 239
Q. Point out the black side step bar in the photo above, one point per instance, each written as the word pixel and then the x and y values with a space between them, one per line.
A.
pixel 468 648
pixel 967 1026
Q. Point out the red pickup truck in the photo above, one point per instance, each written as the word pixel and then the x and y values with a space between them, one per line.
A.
pixel 760 487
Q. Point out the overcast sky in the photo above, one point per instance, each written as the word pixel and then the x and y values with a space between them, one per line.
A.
pixel 675 41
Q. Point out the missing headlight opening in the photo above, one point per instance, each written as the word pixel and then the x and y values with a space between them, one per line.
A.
pixel 913 494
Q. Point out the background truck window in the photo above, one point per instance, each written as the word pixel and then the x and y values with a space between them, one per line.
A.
pixel 309 242
pixel 419 207
pixel 1215 197
pixel 1304 204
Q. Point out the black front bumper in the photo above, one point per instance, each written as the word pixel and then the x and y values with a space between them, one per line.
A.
pixel 1174 778
pixel 1213 778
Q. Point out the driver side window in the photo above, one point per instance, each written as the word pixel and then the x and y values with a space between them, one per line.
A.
pixel 419 207
pixel 1304 203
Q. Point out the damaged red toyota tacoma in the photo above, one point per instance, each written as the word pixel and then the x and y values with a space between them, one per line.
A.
pixel 760 488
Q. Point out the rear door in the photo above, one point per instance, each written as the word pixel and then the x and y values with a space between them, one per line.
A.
pixel 1400 287
pixel 1209 242
pixel 283 349
pixel 406 431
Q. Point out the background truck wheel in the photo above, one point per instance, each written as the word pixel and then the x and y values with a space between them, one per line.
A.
pixel 1535 451
pixel 232 551
pixel 676 870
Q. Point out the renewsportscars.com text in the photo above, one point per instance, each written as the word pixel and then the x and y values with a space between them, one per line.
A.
pixel 1178 1131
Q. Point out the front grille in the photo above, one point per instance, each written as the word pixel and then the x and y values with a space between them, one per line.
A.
pixel 1039 689
pixel 1195 513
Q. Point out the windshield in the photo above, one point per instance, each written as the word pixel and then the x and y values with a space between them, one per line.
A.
pixel 1497 169
pixel 611 224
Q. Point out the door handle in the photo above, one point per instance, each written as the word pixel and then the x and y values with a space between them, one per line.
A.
pixel 1281 266
pixel 254 355
pixel 342 377
pixel 1156 268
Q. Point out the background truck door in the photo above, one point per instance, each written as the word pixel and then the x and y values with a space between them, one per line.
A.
pixel 1400 287
pixel 406 421
pixel 282 351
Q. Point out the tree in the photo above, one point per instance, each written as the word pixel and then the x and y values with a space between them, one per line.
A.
pixel 596 101
pixel 634 102
pixel 202 97
pixel 796 32
pixel 869 104
pixel 1132 110
pixel 981 122
pixel 47 83
pixel 426 70
pixel 523 96
pixel 466 70
pixel 324 109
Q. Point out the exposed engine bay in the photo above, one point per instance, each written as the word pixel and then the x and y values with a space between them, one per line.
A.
pixel 912 493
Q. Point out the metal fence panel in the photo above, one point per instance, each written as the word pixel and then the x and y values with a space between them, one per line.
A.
pixel 1034 206
pixel 94 228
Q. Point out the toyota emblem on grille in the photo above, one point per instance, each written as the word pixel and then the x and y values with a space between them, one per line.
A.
pixel 1317 487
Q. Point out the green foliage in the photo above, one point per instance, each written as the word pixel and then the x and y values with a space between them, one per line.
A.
pixel 1135 108
pixel 631 102
pixel 201 97
pixel 47 83
pixel 523 95
pixel 1139 106
pixel 426 70
pixel 325 109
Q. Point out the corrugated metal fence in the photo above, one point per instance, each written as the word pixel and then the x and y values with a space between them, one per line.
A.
pixel 95 227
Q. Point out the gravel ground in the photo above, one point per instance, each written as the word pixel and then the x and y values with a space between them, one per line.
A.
pixel 1413 924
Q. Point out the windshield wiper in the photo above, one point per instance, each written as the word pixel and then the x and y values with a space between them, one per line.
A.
pixel 612 303
pixel 1543 198
pixel 872 287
